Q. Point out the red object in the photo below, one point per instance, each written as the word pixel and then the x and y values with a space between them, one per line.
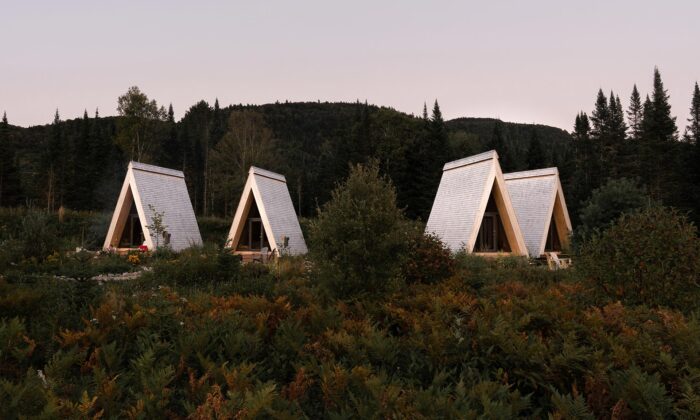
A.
pixel 143 248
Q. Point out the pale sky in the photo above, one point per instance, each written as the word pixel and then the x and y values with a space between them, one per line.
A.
pixel 526 61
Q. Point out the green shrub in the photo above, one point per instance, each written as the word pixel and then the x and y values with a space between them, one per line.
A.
pixel 651 257
pixel 429 260
pixel 197 266
pixel 38 234
pixel 360 237
pixel 606 204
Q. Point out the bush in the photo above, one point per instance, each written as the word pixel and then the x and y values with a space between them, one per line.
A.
pixel 359 239
pixel 197 266
pixel 38 235
pixel 429 260
pixel 606 204
pixel 651 257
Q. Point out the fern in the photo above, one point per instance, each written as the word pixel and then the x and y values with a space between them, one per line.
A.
pixel 568 407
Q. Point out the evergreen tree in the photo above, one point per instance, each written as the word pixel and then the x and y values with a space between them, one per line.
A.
pixel 600 116
pixel 10 188
pixel 54 163
pixel 218 126
pixel 81 181
pixel 438 131
pixel 663 126
pixel 614 145
pixel 535 153
pixel 587 174
pixel 658 151
pixel 692 160
pixel 431 157
pixel 692 131
pixel 634 114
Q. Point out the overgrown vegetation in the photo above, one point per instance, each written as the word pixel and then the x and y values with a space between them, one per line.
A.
pixel 522 342
pixel 651 257
pixel 456 336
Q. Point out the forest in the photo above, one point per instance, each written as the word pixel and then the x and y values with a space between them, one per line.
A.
pixel 387 325
pixel 79 163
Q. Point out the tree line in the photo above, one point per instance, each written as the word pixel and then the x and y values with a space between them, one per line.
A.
pixel 80 163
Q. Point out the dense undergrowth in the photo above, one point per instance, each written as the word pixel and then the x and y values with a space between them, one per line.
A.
pixel 387 326
pixel 497 338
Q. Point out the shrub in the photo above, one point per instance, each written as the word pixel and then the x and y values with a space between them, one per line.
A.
pixel 607 203
pixel 38 235
pixel 359 239
pixel 197 266
pixel 429 260
pixel 650 257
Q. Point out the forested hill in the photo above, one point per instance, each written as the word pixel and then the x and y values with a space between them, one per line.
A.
pixel 80 163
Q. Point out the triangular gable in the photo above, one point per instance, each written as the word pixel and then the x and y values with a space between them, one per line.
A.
pixel 152 188
pixel 271 196
pixel 461 200
pixel 538 199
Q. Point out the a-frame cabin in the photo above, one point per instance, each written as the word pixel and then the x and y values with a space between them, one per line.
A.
pixel 538 200
pixel 472 210
pixel 148 189
pixel 265 223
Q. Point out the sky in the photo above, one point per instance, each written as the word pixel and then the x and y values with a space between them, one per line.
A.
pixel 537 61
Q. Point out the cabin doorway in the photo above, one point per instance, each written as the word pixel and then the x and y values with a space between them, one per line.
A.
pixel 492 235
pixel 253 237
pixel 553 243
pixel 132 234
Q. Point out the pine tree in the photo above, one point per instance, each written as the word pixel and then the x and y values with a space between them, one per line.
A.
pixel 80 192
pixel 658 152
pixel 10 188
pixel 634 114
pixel 692 161
pixel 432 156
pixel 587 173
pixel 663 126
pixel 600 116
pixel 692 131
pixel 614 145
pixel 535 153
pixel 54 161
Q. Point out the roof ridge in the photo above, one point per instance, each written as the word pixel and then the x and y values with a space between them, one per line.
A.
pixel 532 173
pixel 267 174
pixel 155 169
pixel 470 160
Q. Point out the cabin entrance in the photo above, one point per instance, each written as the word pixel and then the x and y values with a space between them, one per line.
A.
pixel 553 243
pixel 253 237
pixel 492 235
pixel 132 234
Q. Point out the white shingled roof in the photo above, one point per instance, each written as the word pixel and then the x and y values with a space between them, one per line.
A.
pixel 537 196
pixel 461 200
pixel 269 190
pixel 162 190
